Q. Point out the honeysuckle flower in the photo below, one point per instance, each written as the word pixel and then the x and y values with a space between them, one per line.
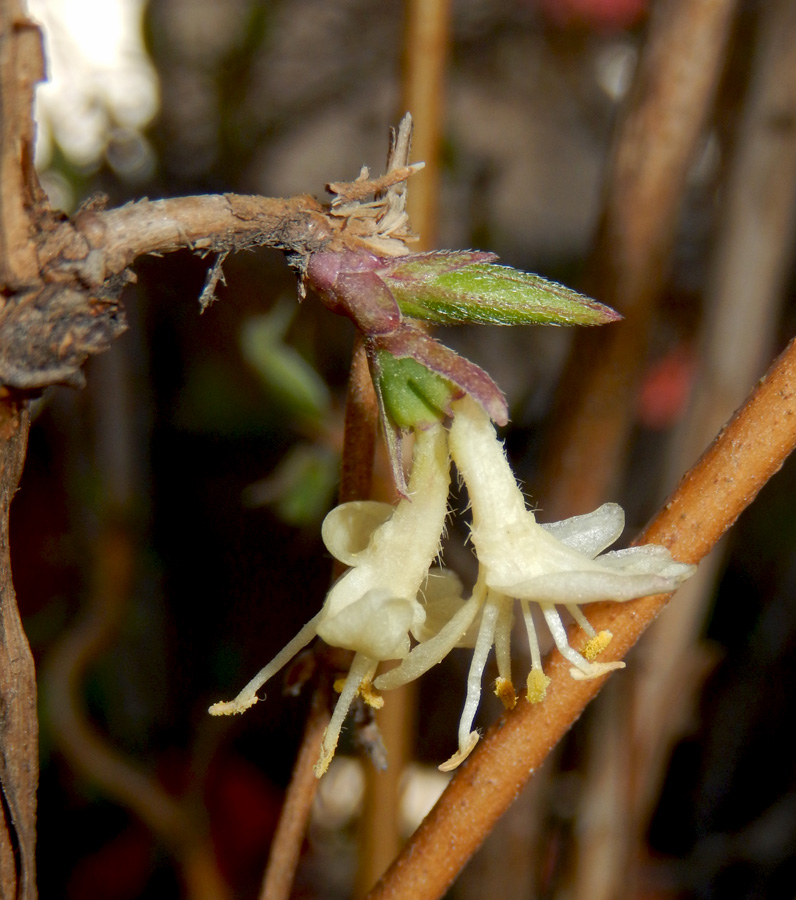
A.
pixel 373 606
pixel 562 564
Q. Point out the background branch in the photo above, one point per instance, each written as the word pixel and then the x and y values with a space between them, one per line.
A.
pixel 655 147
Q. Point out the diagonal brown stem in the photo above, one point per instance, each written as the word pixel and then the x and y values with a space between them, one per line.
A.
pixel 749 450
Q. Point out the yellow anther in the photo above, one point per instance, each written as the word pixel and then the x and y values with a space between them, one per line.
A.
pixel 537 686
pixel 597 644
pixel 370 697
pixel 504 691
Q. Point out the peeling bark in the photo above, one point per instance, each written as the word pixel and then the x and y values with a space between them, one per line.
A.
pixel 21 66
pixel 19 766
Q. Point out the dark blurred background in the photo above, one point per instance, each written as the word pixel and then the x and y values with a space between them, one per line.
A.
pixel 204 450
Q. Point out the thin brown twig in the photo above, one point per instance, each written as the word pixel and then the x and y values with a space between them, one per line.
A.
pixel 97 243
pixel 21 67
pixel 749 451
pixel 359 442
pixel 286 847
pixel 361 428
pixel 68 308
pixel 19 728
pixel 426 43
pixel 655 148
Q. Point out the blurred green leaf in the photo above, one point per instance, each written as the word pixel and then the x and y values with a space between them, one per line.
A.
pixel 283 371
pixel 301 488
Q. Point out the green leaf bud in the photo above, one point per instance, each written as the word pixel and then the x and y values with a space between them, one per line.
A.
pixel 449 288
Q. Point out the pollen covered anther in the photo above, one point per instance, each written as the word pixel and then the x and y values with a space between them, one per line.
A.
pixel 536 686
pixel 595 646
pixel 504 691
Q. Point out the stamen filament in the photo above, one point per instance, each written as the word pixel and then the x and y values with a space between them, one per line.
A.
pixel 486 637
pixel 577 614
pixel 533 640
pixel 503 637
pixel 248 696
pixel 362 669
pixel 559 634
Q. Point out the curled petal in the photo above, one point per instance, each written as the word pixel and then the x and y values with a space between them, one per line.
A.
pixel 376 624
pixel 432 651
pixel 348 528
pixel 442 596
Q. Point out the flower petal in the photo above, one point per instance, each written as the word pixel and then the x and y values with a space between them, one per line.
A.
pixel 442 599
pixel 348 528
pixel 591 587
pixel 590 533
pixel 376 624
pixel 647 559
pixel 432 651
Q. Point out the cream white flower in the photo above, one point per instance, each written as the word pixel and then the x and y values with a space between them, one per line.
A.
pixel 392 592
pixel 374 605
pixel 550 565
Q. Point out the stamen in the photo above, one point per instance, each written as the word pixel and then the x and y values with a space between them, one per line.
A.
pixel 577 614
pixel 504 691
pixel 559 633
pixel 536 684
pixel 533 641
pixel 584 669
pixel 248 696
pixel 486 637
pixel 366 692
pixel 597 644
pixel 362 669
pixel 503 638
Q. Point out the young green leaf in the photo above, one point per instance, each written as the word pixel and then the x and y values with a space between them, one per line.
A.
pixel 484 293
